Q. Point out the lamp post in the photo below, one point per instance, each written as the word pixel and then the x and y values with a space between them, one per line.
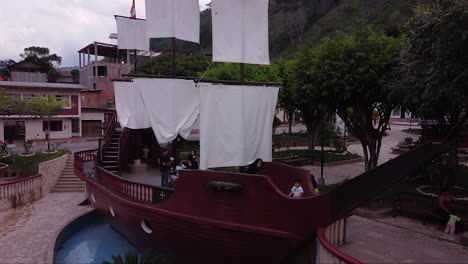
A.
pixel 322 108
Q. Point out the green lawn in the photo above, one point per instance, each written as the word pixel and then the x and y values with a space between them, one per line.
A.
pixel 314 154
pixel 28 166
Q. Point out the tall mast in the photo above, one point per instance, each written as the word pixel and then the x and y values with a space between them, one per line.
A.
pixel 174 74
pixel 173 57
pixel 242 72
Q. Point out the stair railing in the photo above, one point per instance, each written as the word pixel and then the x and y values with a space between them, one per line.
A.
pixel 124 152
pixel 107 137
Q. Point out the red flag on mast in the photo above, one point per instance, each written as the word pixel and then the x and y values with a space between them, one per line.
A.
pixel 133 10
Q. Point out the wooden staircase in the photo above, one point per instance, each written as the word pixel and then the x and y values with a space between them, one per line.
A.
pixel 68 181
pixel 110 155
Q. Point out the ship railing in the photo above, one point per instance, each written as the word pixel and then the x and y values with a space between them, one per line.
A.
pixel 134 190
pixel 328 240
pixel 20 188
pixel 82 157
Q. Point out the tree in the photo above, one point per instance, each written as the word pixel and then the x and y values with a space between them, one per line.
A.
pixel 253 73
pixel 45 107
pixel 4 71
pixel 307 102
pixel 42 56
pixel 187 65
pixel 432 75
pixel 346 73
pixel 286 98
pixel 10 105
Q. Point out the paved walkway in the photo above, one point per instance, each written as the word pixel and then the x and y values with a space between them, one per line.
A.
pixel 27 232
pixel 372 241
pixel 337 174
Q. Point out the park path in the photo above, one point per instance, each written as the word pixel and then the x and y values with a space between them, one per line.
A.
pixel 27 232
pixel 400 241
pixel 337 174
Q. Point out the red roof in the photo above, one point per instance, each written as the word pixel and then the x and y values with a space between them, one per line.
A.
pixel 65 74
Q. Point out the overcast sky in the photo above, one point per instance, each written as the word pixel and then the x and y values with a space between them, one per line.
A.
pixel 64 26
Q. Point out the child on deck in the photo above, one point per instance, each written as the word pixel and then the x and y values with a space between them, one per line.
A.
pixel 296 190
pixel 450 229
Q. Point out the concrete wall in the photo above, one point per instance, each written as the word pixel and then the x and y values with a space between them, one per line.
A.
pixel 51 171
pixel 30 190
pixel 34 129
pixel 92 116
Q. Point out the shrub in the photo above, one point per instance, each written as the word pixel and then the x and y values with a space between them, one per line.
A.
pixel 27 145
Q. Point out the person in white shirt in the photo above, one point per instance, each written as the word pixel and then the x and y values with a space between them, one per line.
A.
pixel 179 167
pixel 296 191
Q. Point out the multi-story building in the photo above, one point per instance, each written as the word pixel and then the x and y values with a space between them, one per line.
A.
pixel 27 80
pixel 63 126
pixel 96 75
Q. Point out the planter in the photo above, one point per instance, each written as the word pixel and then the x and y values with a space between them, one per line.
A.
pixel 26 155
pixel 2 166
pixel 459 193
pixel 338 163
pixel 50 152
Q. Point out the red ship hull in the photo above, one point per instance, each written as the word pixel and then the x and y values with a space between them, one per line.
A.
pixel 202 224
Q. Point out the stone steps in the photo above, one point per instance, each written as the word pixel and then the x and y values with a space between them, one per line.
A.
pixel 68 182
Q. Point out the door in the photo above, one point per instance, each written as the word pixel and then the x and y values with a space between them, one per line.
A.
pixel 91 128
pixel 14 131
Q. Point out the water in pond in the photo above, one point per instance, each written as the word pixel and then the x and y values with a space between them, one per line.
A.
pixel 93 244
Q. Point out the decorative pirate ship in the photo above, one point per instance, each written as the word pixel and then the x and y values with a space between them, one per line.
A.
pixel 212 216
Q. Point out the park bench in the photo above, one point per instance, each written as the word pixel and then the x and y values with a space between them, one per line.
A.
pixel 426 207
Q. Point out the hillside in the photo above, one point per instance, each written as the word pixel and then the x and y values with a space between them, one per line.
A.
pixel 294 22
pixel 384 14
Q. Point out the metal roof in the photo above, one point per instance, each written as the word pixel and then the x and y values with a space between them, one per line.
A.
pixel 41 85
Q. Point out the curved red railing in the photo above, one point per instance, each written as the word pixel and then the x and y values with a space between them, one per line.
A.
pixel 137 191
pixel 19 187
pixel 79 158
pixel 334 255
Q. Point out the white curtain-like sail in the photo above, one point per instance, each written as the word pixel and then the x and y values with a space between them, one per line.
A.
pixel 172 106
pixel 235 124
pixel 131 111
pixel 173 18
pixel 240 31
pixel 132 34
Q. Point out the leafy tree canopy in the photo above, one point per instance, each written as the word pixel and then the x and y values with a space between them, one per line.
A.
pixel 41 56
pixel 347 73
pixel 253 73
pixel 4 71
pixel 433 72
pixel 187 65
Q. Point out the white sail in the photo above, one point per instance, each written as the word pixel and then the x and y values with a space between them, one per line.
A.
pixel 235 124
pixel 240 31
pixel 173 18
pixel 131 111
pixel 132 34
pixel 172 106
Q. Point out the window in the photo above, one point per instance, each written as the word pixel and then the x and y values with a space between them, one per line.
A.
pixel 54 126
pixel 67 97
pixel 102 71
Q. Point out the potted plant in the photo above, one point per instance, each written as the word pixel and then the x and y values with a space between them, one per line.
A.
pixel 27 145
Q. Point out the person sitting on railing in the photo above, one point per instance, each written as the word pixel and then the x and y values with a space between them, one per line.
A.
pixel 296 191
pixel 255 167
